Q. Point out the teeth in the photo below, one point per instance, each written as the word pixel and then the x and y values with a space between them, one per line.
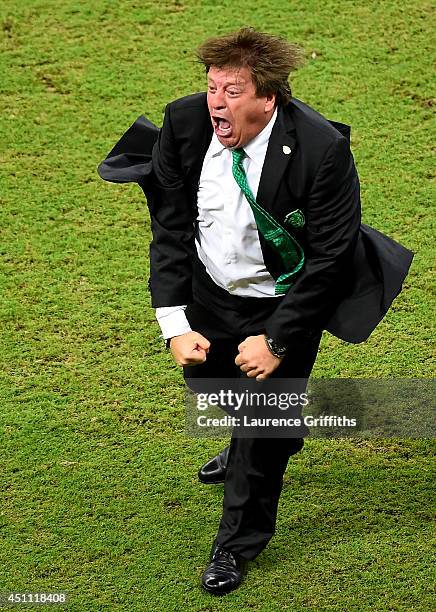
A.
pixel 221 122
pixel 222 126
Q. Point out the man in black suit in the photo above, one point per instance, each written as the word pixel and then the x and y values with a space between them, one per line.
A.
pixel 257 247
pixel 214 273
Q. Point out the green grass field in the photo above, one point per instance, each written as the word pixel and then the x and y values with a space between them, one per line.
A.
pixel 99 495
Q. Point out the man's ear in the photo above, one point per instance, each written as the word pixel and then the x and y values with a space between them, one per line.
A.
pixel 270 102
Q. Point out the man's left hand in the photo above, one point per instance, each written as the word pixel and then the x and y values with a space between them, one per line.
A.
pixel 256 359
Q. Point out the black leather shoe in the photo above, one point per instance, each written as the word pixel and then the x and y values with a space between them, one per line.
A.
pixel 214 471
pixel 224 572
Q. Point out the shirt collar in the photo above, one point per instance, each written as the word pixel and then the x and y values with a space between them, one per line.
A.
pixel 255 149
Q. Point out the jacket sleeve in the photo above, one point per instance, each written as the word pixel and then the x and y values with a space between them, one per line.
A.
pixel 333 221
pixel 172 224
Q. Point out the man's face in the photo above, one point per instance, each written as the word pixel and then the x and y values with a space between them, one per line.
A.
pixel 237 114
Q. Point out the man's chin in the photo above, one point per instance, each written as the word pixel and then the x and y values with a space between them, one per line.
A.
pixel 229 142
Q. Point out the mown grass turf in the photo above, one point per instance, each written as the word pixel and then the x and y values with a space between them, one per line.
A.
pixel 99 491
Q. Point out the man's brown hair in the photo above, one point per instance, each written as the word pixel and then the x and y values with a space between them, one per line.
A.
pixel 270 59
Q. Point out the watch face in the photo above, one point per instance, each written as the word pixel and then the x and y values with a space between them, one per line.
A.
pixel 277 349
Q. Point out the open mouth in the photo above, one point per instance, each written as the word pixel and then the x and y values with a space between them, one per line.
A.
pixel 221 126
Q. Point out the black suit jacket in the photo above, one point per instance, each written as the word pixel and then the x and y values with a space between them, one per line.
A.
pixel 352 272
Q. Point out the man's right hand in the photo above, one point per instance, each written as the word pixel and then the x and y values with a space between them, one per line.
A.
pixel 189 349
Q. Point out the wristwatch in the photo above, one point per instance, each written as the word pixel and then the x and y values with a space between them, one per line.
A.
pixel 278 350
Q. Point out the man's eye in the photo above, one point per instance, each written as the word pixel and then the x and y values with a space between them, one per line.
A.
pixel 212 89
pixel 232 92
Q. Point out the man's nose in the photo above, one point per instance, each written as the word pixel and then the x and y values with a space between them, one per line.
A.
pixel 218 101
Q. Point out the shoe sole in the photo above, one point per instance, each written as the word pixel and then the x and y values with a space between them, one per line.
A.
pixel 208 482
pixel 213 592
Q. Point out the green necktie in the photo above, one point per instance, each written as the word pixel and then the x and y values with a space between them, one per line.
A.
pixel 276 236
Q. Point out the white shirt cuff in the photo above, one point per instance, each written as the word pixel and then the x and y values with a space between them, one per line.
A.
pixel 172 321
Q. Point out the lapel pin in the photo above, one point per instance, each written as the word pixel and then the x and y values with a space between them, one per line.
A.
pixel 286 150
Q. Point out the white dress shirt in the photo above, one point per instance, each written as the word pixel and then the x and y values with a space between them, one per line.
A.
pixel 227 239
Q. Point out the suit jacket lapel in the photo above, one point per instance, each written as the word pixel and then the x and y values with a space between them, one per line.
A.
pixel 280 151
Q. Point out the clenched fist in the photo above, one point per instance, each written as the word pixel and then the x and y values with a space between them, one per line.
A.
pixel 256 359
pixel 189 349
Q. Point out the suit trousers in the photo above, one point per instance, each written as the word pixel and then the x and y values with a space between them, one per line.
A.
pixel 255 465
